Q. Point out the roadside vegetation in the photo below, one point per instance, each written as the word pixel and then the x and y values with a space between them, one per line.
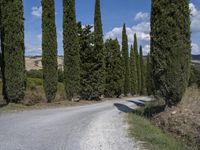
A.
pixel 152 137
pixel 173 128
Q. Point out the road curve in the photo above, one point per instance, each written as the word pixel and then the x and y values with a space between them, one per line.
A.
pixel 93 127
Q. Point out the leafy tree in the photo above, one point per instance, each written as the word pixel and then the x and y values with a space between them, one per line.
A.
pixel 170 48
pixel 125 56
pixel 98 54
pixel 133 72
pixel 113 67
pixel 71 50
pixel 142 72
pixel 12 23
pixel 87 65
pixel 49 49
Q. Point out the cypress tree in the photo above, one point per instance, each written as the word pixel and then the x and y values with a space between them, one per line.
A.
pixel 142 73
pixel 133 72
pixel 125 55
pixel 49 49
pixel 170 48
pixel 13 50
pixel 113 67
pixel 98 77
pixel 137 63
pixel 148 77
pixel 2 3
pixel 71 50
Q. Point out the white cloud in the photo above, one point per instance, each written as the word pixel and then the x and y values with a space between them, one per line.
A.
pixel 195 49
pixel 146 49
pixel 33 49
pixel 142 30
pixel 195 18
pixel 39 37
pixel 37 11
pixel 142 16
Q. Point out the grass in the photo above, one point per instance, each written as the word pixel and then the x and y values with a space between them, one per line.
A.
pixel 144 130
pixel 153 137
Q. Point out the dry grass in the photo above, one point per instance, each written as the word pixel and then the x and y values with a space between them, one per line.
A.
pixel 35 63
pixel 184 120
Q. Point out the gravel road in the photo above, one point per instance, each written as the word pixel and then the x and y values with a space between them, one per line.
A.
pixel 94 127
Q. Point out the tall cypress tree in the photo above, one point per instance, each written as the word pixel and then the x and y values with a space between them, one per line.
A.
pixel 136 62
pixel 99 74
pixel 71 50
pixel 148 77
pixel 49 49
pixel 113 67
pixel 125 55
pixel 2 3
pixel 142 73
pixel 13 50
pixel 170 48
pixel 133 72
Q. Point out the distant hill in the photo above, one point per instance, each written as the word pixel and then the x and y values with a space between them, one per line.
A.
pixel 35 62
pixel 196 57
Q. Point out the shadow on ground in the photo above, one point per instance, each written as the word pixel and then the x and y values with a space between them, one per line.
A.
pixel 2 105
pixel 138 103
pixel 123 108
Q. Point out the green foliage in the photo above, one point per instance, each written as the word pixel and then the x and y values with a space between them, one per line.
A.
pixel 194 76
pixel 113 67
pixel 125 55
pixel 133 72
pixel 155 139
pixel 71 50
pixel 137 63
pixel 35 74
pixel 13 50
pixel 149 77
pixel 32 83
pixel 98 54
pixel 49 49
pixel 87 62
pixel 170 48
pixel 60 75
pixel 142 72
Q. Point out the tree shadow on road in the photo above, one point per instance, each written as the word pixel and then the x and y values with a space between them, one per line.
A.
pixel 138 103
pixel 2 105
pixel 123 108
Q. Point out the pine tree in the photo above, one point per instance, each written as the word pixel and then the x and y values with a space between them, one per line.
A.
pixel 49 49
pixel 148 77
pixel 125 55
pixel 13 50
pixel 142 72
pixel 71 50
pixel 170 48
pixel 133 72
pixel 98 77
pixel 113 67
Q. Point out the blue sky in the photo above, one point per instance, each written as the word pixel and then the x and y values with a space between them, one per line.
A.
pixel 114 13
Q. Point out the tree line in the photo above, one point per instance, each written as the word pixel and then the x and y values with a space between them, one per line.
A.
pixel 92 67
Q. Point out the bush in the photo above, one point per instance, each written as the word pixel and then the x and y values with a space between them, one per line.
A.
pixel 32 83
pixel 194 76
pixel 35 74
